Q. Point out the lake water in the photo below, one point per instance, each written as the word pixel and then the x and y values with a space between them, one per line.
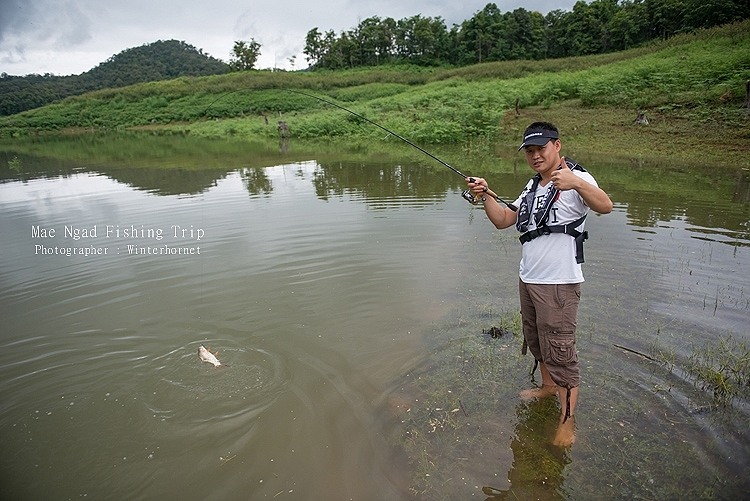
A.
pixel 347 296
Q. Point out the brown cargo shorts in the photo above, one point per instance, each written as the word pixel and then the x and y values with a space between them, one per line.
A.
pixel 549 327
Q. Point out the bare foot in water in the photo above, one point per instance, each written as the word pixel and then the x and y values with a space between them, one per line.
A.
pixel 566 433
pixel 535 393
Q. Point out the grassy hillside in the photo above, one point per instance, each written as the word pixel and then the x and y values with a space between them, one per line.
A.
pixel 691 87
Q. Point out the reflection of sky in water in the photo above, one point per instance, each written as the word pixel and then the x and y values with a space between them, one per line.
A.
pixel 701 282
pixel 668 279
pixel 47 189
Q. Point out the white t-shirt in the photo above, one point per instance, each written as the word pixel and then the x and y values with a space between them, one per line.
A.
pixel 551 259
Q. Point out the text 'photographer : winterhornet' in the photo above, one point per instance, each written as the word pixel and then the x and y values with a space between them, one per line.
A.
pixel 162 250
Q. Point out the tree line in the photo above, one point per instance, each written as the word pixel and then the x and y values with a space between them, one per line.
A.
pixel 597 27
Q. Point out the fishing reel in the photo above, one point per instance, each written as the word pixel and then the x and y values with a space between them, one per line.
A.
pixel 471 197
pixel 475 198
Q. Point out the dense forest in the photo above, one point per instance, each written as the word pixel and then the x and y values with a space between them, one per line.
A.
pixel 160 60
pixel 600 26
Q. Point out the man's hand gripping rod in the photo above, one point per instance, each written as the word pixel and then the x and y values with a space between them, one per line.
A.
pixel 475 198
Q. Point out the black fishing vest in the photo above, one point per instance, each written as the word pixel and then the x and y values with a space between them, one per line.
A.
pixel 542 215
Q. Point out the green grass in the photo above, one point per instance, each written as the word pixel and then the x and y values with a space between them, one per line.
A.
pixel 721 368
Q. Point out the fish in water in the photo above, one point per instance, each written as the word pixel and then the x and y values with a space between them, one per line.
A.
pixel 207 356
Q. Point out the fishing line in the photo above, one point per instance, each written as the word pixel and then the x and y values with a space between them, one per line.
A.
pixel 468 195
pixel 384 128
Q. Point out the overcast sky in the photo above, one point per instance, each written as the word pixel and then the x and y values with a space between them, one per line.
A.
pixel 69 37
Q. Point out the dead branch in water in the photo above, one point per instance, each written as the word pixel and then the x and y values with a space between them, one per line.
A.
pixel 636 352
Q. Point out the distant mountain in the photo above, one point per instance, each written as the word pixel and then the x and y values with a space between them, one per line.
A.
pixel 161 60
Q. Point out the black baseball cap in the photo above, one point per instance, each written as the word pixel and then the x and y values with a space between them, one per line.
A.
pixel 537 137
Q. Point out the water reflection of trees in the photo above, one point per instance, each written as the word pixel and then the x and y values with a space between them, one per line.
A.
pixel 651 209
pixel 381 181
pixel 157 180
pixel 167 181
pixel 255 181
pixel 706 199
pixel 713 201
pixel 163 165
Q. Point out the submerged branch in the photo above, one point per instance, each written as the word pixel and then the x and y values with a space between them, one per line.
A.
pixel 637 353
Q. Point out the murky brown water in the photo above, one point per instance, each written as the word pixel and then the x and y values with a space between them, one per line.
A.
pixel 338 292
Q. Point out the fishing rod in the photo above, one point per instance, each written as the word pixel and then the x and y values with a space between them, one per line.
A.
pixel 467 194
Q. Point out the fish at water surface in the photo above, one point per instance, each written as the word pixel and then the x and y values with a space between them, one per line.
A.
pixel 207 356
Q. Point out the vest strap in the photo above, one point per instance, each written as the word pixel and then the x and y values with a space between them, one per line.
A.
pixel 568 229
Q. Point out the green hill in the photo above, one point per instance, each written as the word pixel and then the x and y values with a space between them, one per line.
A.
pixel 162 60
pixel 692 87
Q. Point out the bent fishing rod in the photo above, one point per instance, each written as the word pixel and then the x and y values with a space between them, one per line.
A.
pixel 467 194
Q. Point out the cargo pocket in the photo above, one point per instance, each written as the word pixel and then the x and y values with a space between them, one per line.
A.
pixel 561 348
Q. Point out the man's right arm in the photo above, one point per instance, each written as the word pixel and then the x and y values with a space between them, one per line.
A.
pixel 500 215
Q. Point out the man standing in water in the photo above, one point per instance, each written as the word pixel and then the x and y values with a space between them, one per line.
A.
pixel 550 217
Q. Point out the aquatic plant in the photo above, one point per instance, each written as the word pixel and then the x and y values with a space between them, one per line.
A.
pixel 14 164
pixel 722 367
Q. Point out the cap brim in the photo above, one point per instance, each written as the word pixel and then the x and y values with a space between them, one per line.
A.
pixel 535 141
